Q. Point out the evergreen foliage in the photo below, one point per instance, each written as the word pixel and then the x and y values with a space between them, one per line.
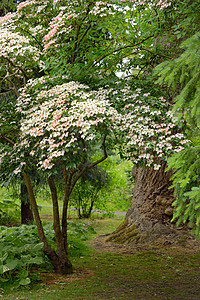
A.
pixel 183 74
pixel 186 184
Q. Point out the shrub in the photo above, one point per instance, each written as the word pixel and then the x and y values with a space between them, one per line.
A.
pixel 9 212
pixel 20 250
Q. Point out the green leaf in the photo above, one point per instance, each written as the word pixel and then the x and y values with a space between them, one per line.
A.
pixel 4 279
pixel 12 264
pixel 193 193
pixel 4 269
pixel 3 256
pixel 37 247
pixel 22 274
pixel 25 281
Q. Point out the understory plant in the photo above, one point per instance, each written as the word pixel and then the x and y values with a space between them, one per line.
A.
pixel 118 193
pixel 9 212
pixel 21 250
pixel 9 209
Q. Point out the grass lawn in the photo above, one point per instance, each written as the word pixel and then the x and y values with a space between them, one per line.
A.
pixel 120 273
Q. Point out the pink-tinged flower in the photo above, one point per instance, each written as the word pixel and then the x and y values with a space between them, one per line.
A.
pixel 179 149
pixel 54 123
pixel 58 117
pixel 5 18
pixel 16 171
pixel 69 17
pixel 48 45
pixel 46 163
pixel 57 19
pixel 51 34
pixel 24 4
pixel 183 142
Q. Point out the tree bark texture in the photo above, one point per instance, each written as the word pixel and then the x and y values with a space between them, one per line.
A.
pixel 149 217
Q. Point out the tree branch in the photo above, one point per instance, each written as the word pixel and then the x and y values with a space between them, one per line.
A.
pixel 7 139
pixel 130 53
pixel 40 45
pixel 84 34
pixel 34 207
pixel 56 218
pixel 161 55
pixel 17 67
pixel 119 49
pixel 77 42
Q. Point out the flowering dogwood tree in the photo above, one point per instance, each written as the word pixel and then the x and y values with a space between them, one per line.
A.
pixel 58 118
pixel 149 217
pixel 19 59
pixel 78 37
pixel 61 123
pixel 58 126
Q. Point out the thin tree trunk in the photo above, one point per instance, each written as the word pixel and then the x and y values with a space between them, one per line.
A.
pixel 91 207
pixel 60 241
pixel 79 207
pixel 26 212
pixel 51 254
pixel 64 214
pixel 67 192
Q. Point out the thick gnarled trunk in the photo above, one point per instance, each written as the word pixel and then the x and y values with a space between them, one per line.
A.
pixel 151 209
pixel 149 217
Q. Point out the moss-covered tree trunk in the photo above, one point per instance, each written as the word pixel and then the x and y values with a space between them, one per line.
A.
pixel 149 217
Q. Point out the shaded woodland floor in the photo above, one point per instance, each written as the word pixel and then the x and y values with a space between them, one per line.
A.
pixel 112 271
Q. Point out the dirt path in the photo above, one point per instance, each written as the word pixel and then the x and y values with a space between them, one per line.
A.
pixel 101 245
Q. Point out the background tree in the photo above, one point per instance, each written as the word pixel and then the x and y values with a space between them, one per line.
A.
pixel 50 136
pixel 7 6
pixel 8 94
pixel 85 196
pixel 149 217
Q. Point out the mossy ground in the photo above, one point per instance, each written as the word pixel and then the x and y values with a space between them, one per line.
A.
pixel 118 272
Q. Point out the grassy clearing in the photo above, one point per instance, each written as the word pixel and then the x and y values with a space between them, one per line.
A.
pixel 146 274
pixel 101 223
pixel 113 276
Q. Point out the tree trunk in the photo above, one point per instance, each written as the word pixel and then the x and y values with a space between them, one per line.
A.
pixel 149 217
pixel 62 248
pixel 26 212
pixel 61 263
